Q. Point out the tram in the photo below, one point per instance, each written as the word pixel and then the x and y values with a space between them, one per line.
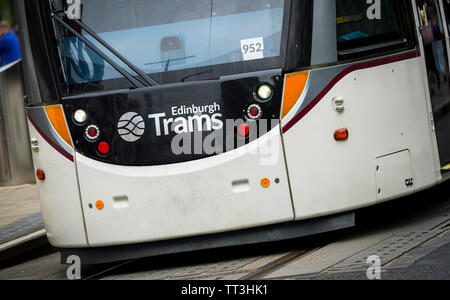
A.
pixel 166 126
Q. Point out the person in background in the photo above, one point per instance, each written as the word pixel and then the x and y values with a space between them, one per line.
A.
pixel 9 45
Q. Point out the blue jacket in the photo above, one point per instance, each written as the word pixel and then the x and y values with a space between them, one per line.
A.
pixel 9 49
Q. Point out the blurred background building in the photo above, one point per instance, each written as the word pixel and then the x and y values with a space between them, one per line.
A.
pixel 15 156
pixel 6 11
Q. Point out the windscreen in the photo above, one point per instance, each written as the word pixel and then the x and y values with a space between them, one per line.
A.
pixel 170 35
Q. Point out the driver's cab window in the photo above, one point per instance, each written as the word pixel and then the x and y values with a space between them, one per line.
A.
pixel 364 28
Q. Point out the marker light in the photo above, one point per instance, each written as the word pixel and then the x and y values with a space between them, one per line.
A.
pixel 80 116
pixel 264 92
pixel 103 148
pixel 92 133
pixel 265 183
pixel 341 134
pixel 254 112
pixel 40 174
pixel 100 205
pixel 244 130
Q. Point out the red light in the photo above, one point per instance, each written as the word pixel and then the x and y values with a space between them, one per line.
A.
pixel 254 111
pixel 40 174
pixel 341 134
pixel 103 148
pixel 92 132
pixel 244 130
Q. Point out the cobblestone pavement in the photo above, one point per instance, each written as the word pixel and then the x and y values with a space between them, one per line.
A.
pixel 17 203
pixel 433 266
pixel 21 228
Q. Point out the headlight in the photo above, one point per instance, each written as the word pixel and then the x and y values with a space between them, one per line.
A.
pixel 80 116
pixel 264 92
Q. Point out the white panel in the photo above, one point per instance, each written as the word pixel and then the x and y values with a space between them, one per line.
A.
pixel 385 112
pixel 60 198
pixel 212 195
pixel 394 175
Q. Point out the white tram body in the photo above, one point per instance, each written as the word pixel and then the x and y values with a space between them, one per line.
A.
pixel 383 102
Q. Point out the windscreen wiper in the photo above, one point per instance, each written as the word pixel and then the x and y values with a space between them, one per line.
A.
pixel 138 71
pixel 168 61
pixel 145 81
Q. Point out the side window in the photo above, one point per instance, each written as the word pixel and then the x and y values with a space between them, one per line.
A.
pixel 370 27
pixel 446 4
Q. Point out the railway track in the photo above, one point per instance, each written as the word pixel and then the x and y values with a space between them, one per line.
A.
pixel 115 270
pixel 97 274
pixel 293 256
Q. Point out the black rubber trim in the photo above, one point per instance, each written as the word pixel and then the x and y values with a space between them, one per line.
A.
pixel 264 234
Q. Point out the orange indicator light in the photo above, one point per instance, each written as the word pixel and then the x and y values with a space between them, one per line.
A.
pixel 341 134
pixel 265 183
pixel 100 205
pixel 40 174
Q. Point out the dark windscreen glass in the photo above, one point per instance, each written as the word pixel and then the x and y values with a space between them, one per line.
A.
pixel 161 36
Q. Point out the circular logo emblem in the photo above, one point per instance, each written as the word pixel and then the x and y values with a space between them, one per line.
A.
pixel 131 127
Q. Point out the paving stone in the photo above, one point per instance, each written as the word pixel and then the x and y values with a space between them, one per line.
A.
pixel 21 228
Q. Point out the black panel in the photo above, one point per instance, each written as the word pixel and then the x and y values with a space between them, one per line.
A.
pixel 252 236
pixel 29 70
pixel 300 34
pixel 233 94
pixel 40 56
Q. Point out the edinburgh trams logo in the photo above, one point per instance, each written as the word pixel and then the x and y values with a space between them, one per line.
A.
pixel 131 127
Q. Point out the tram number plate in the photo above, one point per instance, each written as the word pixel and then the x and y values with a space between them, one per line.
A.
pixel 252 48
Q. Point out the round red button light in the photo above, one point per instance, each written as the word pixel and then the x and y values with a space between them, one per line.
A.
pixel 92 132
pixel 103 148
pixel 254 111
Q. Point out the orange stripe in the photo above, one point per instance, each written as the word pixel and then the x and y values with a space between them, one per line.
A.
pixel 293 89
pixel 56 117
